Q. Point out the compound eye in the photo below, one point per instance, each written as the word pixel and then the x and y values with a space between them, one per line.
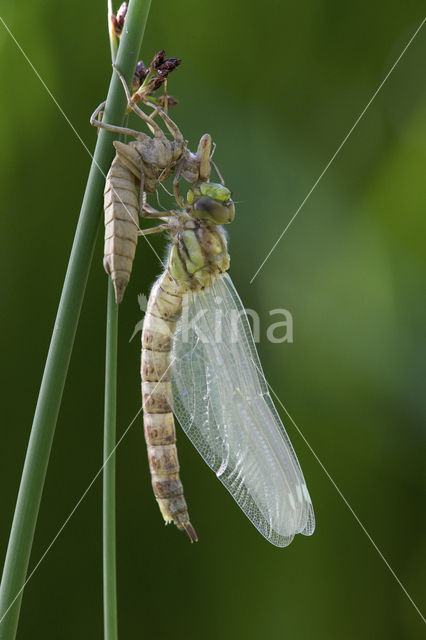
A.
pixel 215 211
pixel 216 191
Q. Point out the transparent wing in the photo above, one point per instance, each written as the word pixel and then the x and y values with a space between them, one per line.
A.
pixel 222 402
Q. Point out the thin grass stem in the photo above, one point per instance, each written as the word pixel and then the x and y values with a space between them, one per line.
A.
pixel 109 548
pixel 56 367
pixel 109 530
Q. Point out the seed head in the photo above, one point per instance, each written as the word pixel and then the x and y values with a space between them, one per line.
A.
pixel 118 20
pixel 157 60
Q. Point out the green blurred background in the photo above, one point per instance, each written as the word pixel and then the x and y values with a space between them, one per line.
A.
pixel 278 85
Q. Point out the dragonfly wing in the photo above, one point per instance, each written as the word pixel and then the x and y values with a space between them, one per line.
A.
pixel 222 402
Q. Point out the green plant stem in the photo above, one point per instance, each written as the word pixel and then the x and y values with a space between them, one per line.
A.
pixel 110 428
pixel 50 395
pixel 109 543
pixel 113 43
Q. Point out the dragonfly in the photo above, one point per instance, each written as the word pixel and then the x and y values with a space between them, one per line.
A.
pixel 136 170
pixel 212 381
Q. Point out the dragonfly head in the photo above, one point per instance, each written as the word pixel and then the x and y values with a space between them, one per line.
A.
pixel 211 201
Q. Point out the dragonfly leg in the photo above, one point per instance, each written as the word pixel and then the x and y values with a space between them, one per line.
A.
pixel 158 229
pixel 97 113
pixel 176 189
pixel 165 101
pixel 222 181
pixel 110 127
pixel 215 165
pixel 142 195
pixel 171 126
pixel 149 212
pixel 165 97
pixel 151 124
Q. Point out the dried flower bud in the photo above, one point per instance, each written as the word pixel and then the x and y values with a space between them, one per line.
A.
pixel 121 15
pixel 168 66
pixel 163 103
pixel 114 24
pixel 141 71
pixel 158 59
pixel 154 84
pixel 139 76
pixel 171 101
pixel 146 81
pixel 118 20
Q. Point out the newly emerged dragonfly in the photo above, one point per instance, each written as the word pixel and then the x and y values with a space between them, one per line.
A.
pixel 212 383
pixel 137 169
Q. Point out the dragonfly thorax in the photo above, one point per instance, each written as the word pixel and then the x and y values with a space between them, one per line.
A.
pixel 199 251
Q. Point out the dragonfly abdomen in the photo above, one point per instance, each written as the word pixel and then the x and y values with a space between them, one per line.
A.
pixel 121 225
pixel 164 308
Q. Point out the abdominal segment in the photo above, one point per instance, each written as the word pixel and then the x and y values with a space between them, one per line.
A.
pixel 121 225
pixel 164 309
